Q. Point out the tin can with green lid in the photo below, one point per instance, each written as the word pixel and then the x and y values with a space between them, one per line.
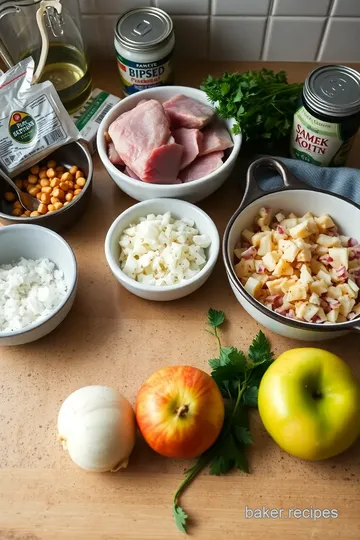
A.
pixel 144 44
pixel 328 116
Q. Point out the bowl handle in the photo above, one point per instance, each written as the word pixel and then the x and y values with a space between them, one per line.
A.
pixel 252 189
pixel 356 327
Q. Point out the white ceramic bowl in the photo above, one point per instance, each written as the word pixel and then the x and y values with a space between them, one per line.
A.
pixel 299 198
pixel 179 209
pixel 35 242
pixel 141 191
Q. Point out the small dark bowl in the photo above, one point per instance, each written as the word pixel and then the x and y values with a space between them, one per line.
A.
pixel 75 153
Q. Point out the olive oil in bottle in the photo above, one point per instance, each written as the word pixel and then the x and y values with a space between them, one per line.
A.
pixel 67 68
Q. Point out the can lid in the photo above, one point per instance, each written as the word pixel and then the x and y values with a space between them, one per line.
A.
pixel 333 90
pixel 143 28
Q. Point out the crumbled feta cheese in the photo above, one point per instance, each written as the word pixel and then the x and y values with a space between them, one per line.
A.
pixel 160 250
pixel 30 290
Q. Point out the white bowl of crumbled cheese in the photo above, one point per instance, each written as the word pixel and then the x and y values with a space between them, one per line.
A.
pixel 162 249
pixel 38 279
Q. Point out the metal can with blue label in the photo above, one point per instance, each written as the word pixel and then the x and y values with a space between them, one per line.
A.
pixel 144 44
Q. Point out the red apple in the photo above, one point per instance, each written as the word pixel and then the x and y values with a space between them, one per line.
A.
pixel 180 411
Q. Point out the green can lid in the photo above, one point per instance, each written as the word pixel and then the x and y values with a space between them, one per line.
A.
pixel 143 28
pixel 333 90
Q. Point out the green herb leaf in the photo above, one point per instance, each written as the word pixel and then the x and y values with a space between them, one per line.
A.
pixel 242 462
pixel 239 95
pixel 225 88
pixel 215 318
pixel 221 465
pixel 262 102
pixel 214 363
pixel 260 349
pixel 180 518
pixel 250 397
pixel 238 381
pixel 243 435
pixel 225 355
pixel 231 355
pixel 224 373
pixel 231 455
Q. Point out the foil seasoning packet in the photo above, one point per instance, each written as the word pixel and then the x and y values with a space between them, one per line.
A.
pixel 33 121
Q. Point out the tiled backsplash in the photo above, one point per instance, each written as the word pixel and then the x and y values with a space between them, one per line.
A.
pixel 284 30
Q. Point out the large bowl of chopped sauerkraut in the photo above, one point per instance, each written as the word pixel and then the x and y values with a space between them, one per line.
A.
pixel 292 257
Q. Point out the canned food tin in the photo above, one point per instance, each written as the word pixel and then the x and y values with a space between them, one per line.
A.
pixel 328 117
pixel 144 43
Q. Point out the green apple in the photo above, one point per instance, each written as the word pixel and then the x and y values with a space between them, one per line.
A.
pixel 309 402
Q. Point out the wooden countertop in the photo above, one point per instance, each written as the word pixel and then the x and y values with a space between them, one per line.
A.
pixel 111 337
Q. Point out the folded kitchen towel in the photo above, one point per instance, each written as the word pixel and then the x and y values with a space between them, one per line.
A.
pixel 340 180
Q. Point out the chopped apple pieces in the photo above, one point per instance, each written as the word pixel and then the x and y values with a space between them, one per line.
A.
pixel 300 267
pixel 253 286
pixel 270 259
pixel 328 241
pixel 339 256
pixel 301 230
pixel 324 222
pixel 289 250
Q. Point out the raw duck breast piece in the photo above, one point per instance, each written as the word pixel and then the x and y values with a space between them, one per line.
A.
pixel 215 138
pixel 131 173
pixel 138 133
pixel 114 156
pixel 163 165
pixel 191 140
pixel 188 112
pixel 112 153
pixel 202 166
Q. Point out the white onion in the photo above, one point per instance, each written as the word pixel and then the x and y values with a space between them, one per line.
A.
pixel 96 425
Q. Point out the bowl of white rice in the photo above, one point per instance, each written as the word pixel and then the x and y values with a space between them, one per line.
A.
pixel 38 280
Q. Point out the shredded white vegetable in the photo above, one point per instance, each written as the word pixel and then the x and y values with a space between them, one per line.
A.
pixel 30 290
pixel 160 250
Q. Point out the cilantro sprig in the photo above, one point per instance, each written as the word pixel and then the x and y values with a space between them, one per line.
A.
pixel 261 102
pixel 238 378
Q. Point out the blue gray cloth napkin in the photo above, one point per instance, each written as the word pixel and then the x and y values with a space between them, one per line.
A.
pixel 340 180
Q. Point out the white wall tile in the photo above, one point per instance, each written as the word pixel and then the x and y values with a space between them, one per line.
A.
pixel 341 41
pixel 302 7
pixel 184 7
pixel 236 38
pixel 115 7
pixel 98 33
pixel 235 29
pixel 346 8
pixel 240 7
pixel 191 36
pixel 293 38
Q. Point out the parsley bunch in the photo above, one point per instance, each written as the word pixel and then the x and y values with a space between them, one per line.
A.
pixel 261 102
pixel 238 379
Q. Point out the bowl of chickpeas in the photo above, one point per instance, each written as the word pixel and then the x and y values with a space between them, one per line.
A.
pixel 62 183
